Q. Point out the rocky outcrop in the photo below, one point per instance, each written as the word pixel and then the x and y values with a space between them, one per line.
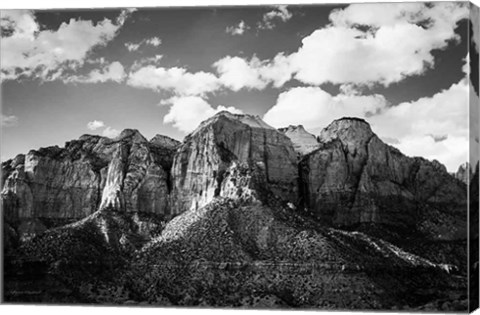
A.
pixel 355 178
pixel 237 156
pixel 134 182
pixel 128 173
pixel 303 141
pixel 464 173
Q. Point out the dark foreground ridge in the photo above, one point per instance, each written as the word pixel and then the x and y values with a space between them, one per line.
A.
pixel 238 215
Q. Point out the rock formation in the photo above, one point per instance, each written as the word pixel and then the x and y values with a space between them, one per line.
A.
pixel 303 141
pixel 464 173
pixel 64 184
pixel 233 156
pixel 217 220
pixel 355 178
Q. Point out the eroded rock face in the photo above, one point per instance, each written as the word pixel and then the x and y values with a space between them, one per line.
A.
pixel 464 173
pixel 127 173
pixel 233 155
pixel 356 178
pixel 303 141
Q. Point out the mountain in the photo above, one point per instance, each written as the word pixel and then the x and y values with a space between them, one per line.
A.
pixel 354 178
pixel 303 141
pixel 53 186
pixel 236 156
pixel 237 215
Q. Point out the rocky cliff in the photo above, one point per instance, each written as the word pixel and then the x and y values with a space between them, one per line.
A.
pixel 235 156
pixel 464 173
pixel 355 178
pixel 303 141
pixel 217 220
pixel 55 184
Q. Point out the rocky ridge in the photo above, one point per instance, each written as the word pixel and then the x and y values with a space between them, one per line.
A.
pixel 232 210
pixel 55 185
pixel 233 156
pixel 355 178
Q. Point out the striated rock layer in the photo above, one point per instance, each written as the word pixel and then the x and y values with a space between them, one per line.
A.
pixel 355 178
pixel 52 184
pixel 234 156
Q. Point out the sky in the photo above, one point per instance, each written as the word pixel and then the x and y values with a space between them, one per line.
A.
pixel 401 66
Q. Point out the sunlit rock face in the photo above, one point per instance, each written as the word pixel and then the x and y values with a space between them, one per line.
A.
pixel 237 156
pixel 355 178
pixel 127 173
pixel 464 173
pixel 303 141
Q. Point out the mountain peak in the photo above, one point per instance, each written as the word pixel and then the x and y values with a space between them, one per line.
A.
pixel 131 133
pixel 164 141
pixel 347 129
pixel 253 121
pixel 303 141
pixel 292 128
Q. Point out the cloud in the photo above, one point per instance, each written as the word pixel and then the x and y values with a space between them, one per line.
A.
pixel 95 124
pixel 154 41
pixel 237 73
pixel 29 51
pixel 132 46
pixel 314 108
pixel 112 72
pixel 176 80
pixel 9 121
pixel 365 44
pixel 110 132
pixel 279 13
pixel 187 112
pixel 238 29
pixel 107 130
pixel 377 43
pixel 433 127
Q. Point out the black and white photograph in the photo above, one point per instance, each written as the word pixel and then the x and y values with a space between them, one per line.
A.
pixel 320 156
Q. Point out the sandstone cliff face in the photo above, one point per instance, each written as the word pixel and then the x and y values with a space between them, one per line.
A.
pixel 355 178
pixel 303 141
pixel 128 173
pixel 233 156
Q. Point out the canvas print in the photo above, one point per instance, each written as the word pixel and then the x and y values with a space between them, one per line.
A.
pixel 276 156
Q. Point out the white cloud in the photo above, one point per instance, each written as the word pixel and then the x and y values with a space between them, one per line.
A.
pixel 279 13
pixel 176 80
pixel 95 124
pixel 154 41
pixel 395 42
pixel 365 44
pixel 9 120
pixel 433 127
pixel 107 130
pixel 28 51
pixel 113 72
pixel 110 132
pixel 187 112
pixel 416 124
pixel 237 73
pixel 238 29
pixel 314 108
pixel 132 46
